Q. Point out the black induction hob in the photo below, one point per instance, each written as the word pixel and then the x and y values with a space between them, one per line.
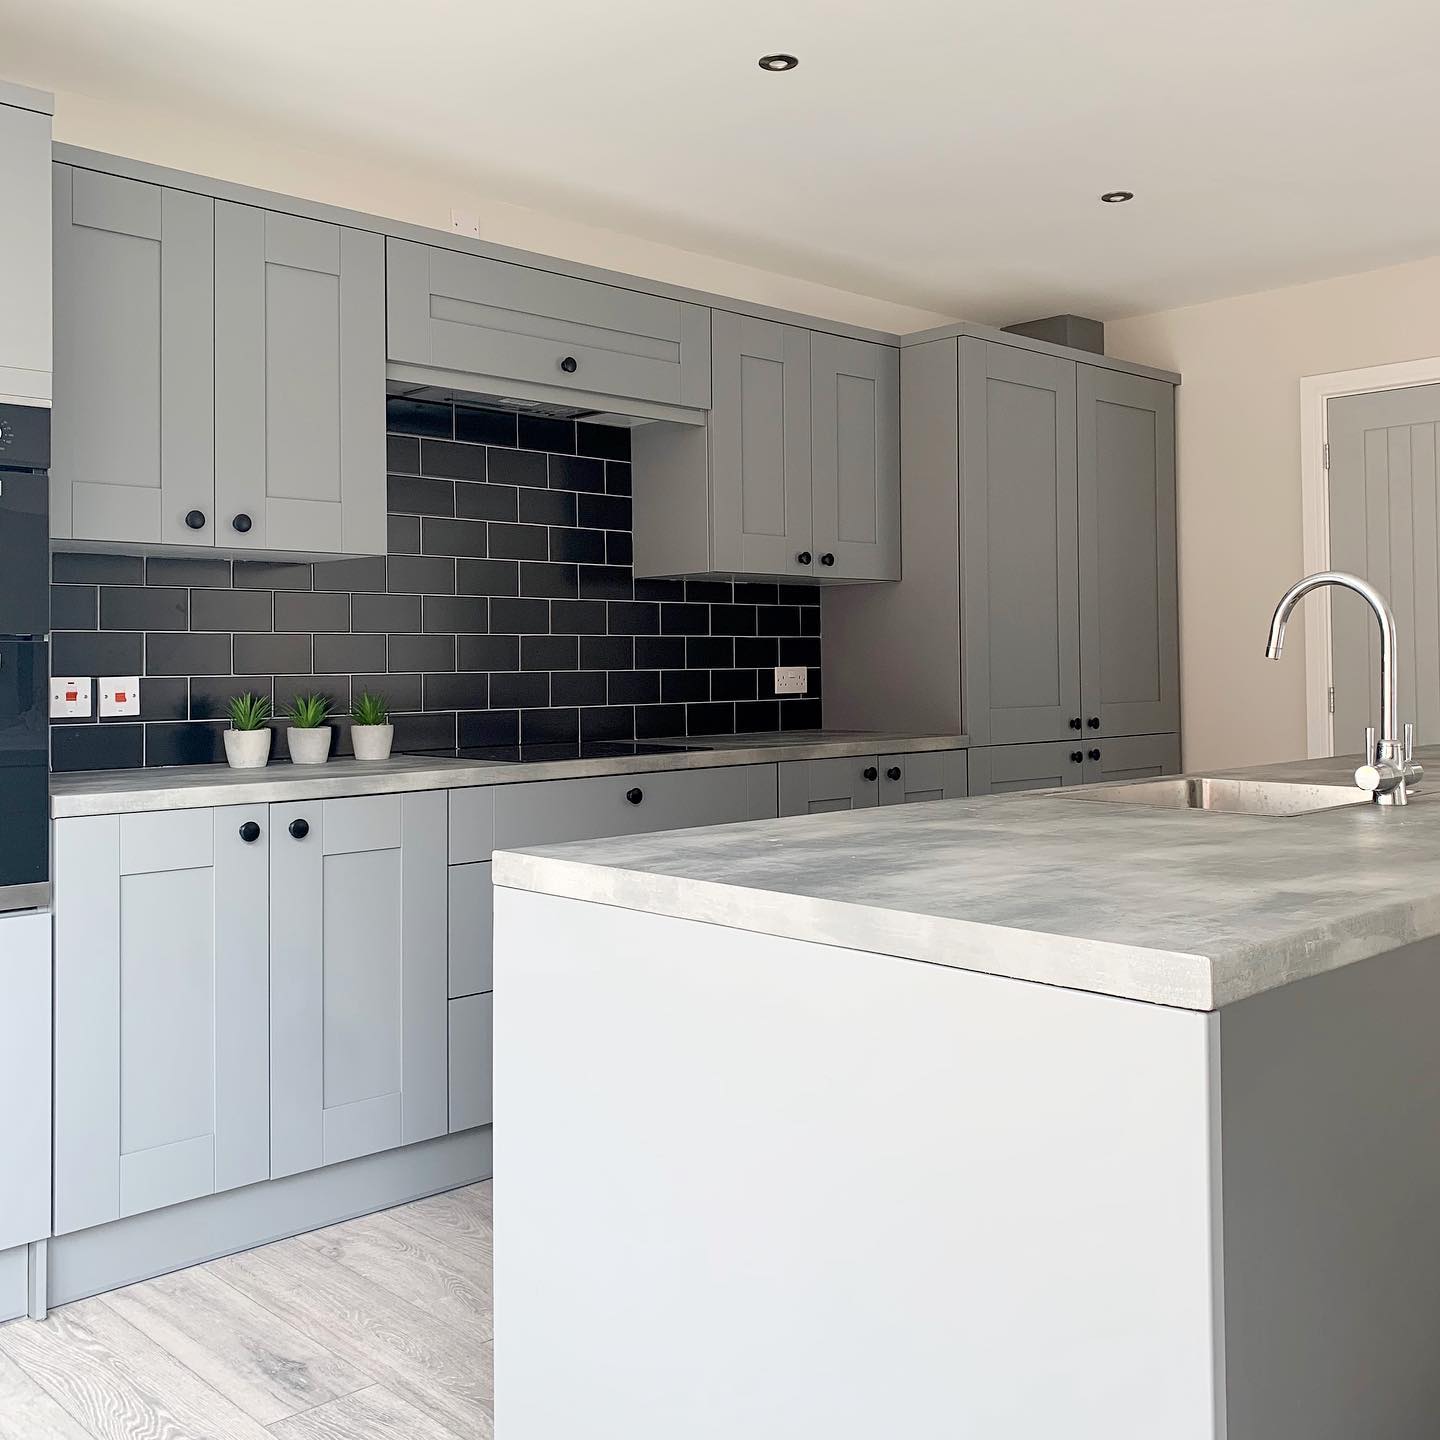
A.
pixel 564 750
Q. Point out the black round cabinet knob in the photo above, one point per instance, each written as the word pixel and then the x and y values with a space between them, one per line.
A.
pixel 1076 756
pixel 635 796
pixel 299 828
pixel 249 832
pixel 804 557
pixel 569 364
pixel 893 773
pixel 1093 754
pixel 1074 722
pixel 870 773
pixel 242 523
pixel 827 558
pixel 1093 722
pixel 195 519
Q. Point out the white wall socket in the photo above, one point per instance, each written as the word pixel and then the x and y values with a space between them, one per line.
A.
pixel 791 679
pixel 120 695
pixel 70 697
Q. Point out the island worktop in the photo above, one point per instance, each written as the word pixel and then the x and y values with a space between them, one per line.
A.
pixel 1195 910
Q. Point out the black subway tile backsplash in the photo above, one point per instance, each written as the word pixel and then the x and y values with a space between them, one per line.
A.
pixel 505 610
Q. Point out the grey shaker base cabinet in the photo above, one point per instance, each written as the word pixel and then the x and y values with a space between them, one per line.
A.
pixel 25 1060
pixel 813 787
pixel 995 769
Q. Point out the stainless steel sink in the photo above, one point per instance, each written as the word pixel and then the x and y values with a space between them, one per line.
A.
pixel 1230 797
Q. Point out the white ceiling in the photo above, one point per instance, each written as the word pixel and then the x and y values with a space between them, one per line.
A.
pixel 940 153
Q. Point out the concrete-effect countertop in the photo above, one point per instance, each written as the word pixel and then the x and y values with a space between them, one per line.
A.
pixel 1189 909
pixel 112 792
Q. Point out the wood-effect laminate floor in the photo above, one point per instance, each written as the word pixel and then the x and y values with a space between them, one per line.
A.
pixel 378 1327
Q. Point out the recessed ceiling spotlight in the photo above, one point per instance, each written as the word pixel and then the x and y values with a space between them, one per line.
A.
pixel 778 63
pixel 1117 197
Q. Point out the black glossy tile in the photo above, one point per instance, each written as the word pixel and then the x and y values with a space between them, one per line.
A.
pixel 421 652
pixel 519 617
pixel 182 570
pixel 634 687
pixel 420 575
pixel 732 619
pixel 399 692
pixel 162 697
pixel 546 507
pixel 157 608
pixel 777 620
pixel 549 652
pixel 417 417
pixel 488 652
pixel 585 546
pixel 607 652
pixel 425 732
pixel 519 542
pixel 543 432
pixel 605 582
pixel 617 479
pixel 647 589
pixel 683 619
pixel 172 654
pixel 271 575
pixel 578 687
pixel 756 654
pixel 69 569
pixel 97 747
pixel 577 617
pixel 415 495
pixel 802 650
pixel 244 609
pixel 456 692
pixel 211 694
pixel 454 614
pixel 517 690
pixel 607 722
pixel 710 719
pixel 487 577
pixel 708 652
pixel 366 572
pixel 720 592
pixel 97 653
pixel 383 614
pixel 619 547
pixel 73 607
pixel 657 721
pixel 605 512
pixel 569 473
pixel 517 467
pixel 336 653
pixel 334 688
pixel 660 652
pixel 402 535
pixel 450 460
pixel 491 727
pixel 267 655
pixel 810 620
pixel 756 716
pixel 540 578
pixel 185 743
pixel 800 714
pixel 479 501
pixel 799 595
pixel 732 684
pixel 633 617
pixel 750 592
pixel 539 727
pixel 679 686
pixel 453 537
pixel 609 442
pixel 484 427
pixel 402 454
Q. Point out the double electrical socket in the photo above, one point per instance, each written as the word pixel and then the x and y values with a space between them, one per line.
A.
pixel 70 696
pixel 791 679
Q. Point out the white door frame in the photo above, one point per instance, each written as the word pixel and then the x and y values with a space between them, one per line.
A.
pixel 1316 391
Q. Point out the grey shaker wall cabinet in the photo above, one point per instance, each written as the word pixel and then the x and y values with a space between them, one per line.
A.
pixel 26 338
pixel 358 988
pixel 299 384
pixel 813 787
pixel 219 374
pixel 797 472
pixel 161 1026
pixel 483 321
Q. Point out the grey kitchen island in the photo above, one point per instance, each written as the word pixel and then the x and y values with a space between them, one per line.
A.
pixel 1021 1116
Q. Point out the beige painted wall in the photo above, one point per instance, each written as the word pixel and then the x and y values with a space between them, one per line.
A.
pixel 1239 481
pixel 383 186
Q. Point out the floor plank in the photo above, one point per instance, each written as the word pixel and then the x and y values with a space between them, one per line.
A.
pixel 29 1413
pixel 118 1384
pixel 441 1368
pixel 373 1414
pixel 268 1368
pixel 458 1217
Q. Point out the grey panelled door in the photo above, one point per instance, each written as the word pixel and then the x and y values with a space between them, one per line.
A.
pixel 300 384
pixel 1132 757
pixel 1385 525
pixel 814 787
pixel 855 458
pixel 995 769
pixel 760 446
pixel 1019 533
pixel 133 438
pixel 924 775
pixel 1129 606
pixel 161 1060
pixel 358 990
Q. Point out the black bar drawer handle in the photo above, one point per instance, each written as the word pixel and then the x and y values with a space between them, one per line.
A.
pixel 1093 722
pixel 804 557
pixel 249 832
pixel 1094 754
pixel 242 523
pixel 1076 756
pixel 893 773
pixel 299 828
pixel 870 773
pixel 635 796
pixel 195 519
pixel 827 558
pixel 569 364
pixel 1074 722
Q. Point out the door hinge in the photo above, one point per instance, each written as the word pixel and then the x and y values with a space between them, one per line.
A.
pixel 1330 699
pixel 1327 454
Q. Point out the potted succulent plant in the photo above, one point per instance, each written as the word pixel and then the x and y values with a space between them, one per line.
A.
pixel 308 734
pixel 247 741
pixel 371 732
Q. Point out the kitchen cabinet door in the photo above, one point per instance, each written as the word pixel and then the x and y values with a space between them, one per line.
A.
pixel 1132 757
pixel 161 1059
pixel 133 436
pixel 26 250
pixel 25 1067
pixel 358 989
pixel 855 458
pixel 1129 611
pixel 299 384
pixel 472 1023
pixel 760 447
pixel 815 787
pixel 924 775
pixel 996 769
pixel 1019 533
pixel 471 925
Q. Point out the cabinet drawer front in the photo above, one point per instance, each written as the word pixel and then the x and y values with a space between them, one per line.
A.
pixel 365 822
pixel 996 769
pixel 471 921
pixel 472 825
pixel 166 840
pixel 489 317
pixel 471 1046
pixel 1134 757
pixel 925 775
pixel 816 787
